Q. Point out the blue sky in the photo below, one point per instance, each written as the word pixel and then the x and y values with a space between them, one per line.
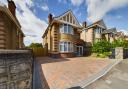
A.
pixel 32 14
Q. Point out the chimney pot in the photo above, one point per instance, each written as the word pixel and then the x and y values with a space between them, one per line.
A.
pixel 50 18
pixel 84 24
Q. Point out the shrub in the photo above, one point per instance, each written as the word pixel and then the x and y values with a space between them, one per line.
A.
pixel 120 43
pixel 101 47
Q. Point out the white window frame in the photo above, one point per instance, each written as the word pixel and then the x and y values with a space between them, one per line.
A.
pixel 66 46
pixel 68 30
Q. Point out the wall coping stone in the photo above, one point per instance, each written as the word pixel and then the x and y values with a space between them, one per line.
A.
pixel 14 51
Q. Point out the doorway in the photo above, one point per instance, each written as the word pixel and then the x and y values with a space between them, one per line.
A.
pixel 79 50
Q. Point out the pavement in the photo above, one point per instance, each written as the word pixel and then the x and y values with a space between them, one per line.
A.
pixel 67 73
pixel 116 78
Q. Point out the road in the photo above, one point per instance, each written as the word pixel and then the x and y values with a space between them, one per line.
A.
pixel 117 78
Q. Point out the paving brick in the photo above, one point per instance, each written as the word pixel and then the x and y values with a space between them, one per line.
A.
pixel 67 73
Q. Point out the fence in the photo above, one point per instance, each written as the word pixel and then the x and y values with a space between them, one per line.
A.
pixel 40 52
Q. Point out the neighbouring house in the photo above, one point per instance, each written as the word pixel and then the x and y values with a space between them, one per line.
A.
pixel 109 34
pixel 119 36
pixel 93 33
pixel 99 31
pixel 126 37
pixel 62 36
pixel 11 35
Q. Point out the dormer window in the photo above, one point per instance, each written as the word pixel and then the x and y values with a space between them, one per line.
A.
pixel 66 28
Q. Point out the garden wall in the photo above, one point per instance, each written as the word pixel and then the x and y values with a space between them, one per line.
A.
pixel 16 69
pixel 119 53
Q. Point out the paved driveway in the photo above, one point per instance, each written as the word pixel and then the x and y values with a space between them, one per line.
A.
pixel 117 78
pixel 67 73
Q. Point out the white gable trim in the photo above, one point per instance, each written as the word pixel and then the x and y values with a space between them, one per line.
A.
pixel 65 22
pixel 60 18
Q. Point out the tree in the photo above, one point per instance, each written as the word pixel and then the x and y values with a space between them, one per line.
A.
pixel 35 45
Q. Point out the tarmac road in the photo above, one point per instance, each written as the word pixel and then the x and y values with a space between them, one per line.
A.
pixel 116 78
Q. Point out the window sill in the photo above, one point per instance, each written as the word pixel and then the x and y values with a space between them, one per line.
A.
pixel 67 33
pixel 66 52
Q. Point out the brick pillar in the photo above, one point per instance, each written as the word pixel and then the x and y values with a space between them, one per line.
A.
pixel 119 53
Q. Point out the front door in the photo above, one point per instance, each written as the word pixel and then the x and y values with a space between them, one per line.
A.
pixel 79 50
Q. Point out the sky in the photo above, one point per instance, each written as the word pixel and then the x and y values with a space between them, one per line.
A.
pixel 32 14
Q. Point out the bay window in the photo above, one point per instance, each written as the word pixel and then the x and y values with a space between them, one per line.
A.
pixel 66 47
pixel 65 28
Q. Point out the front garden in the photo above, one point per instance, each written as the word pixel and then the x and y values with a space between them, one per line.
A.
pixel 103 48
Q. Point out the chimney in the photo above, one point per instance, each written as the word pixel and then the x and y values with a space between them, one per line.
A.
pixel 50 18
pixel 12 7
pixel 84 24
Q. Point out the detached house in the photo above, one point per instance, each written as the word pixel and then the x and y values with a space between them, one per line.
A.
pixel 62 36
pixel 65 37
pixel 11 35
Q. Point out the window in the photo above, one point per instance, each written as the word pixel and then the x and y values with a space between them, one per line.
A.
pixel 65 28
pixel 66 47
pixel 98 30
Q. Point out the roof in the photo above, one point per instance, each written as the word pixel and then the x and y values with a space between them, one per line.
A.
pixel 4 9
pixel 99 23
pixel 112 30
pixel 57 18
pixel 120 33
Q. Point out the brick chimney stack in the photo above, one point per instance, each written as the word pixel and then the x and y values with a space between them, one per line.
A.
pixel 12 7
pixel 84 24
pixel 50 18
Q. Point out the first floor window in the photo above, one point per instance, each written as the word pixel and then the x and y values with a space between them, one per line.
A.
pixel 66 46
pixel 66 28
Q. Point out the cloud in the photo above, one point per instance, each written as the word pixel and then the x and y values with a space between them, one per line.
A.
pixel 77 2
pixel 77 12
pixel 97 9
pixel 45 7
pixel 32 26
pixel 119 17
pixel 63 1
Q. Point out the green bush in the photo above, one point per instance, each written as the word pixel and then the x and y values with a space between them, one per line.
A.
pixel 101 47
pixel 120 43
pixel 103 55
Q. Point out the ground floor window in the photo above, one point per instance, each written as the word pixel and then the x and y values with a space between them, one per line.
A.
pixel 66 46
